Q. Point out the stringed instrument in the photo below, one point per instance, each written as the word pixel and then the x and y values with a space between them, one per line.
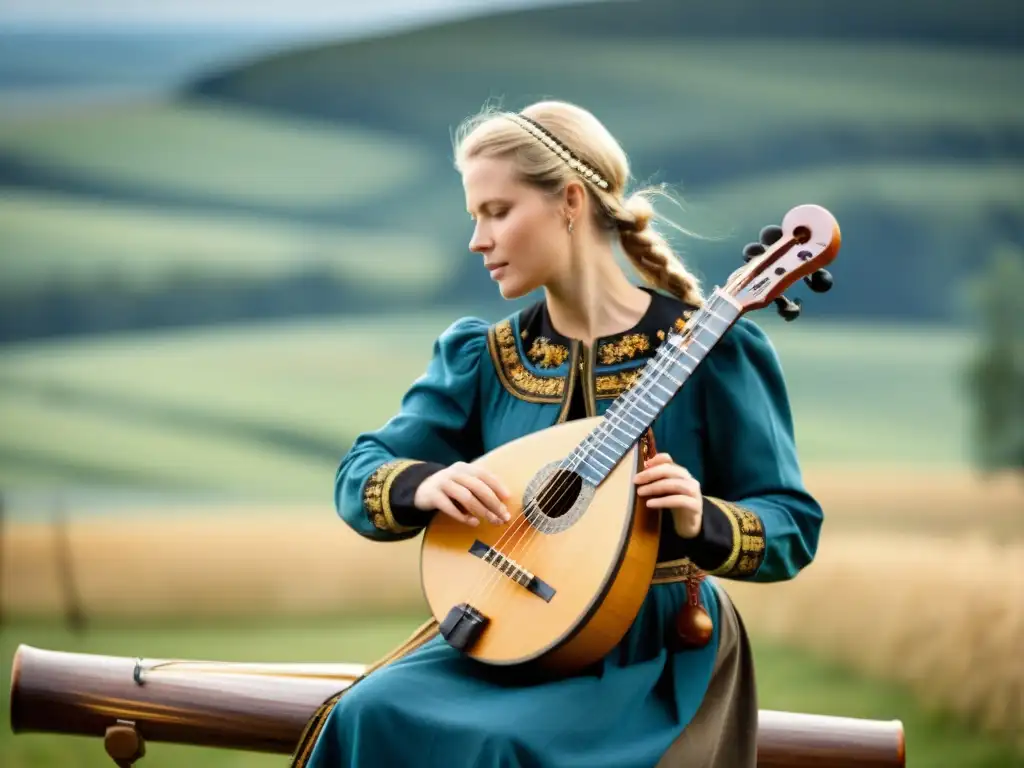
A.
pixel 559 584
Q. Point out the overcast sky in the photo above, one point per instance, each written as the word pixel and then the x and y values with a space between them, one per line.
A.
pixel 308 14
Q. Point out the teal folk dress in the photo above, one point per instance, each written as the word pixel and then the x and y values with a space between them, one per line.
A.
pixel 730 425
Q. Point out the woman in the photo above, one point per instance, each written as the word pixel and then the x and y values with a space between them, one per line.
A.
pixel 546 189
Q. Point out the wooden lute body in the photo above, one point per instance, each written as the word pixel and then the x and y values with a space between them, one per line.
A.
pixel 569 591
pixel 559 584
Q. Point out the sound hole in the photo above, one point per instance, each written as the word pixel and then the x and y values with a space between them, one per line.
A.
pixel 559 493
pixel 556 498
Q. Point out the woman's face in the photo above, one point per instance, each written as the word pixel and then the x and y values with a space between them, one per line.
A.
pixel 521 232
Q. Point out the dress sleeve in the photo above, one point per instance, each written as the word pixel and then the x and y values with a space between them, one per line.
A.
pixel 437 425
pixel 759 521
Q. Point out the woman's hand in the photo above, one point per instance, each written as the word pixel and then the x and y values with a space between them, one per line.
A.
pixel 666 485
pixel 466 492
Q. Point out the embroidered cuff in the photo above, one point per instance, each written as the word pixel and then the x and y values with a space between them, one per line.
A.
pixel 745 538
pixel 388 495
pixel 730 542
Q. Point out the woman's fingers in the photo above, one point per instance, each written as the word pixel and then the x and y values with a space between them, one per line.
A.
pixel 678 501
pixel 491 479
pixel 443 504
pixel 670 485
pixel 465 498
pixel 660 471
pixel 484 498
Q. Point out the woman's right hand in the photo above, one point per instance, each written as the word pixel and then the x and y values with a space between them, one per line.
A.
pixel 465 492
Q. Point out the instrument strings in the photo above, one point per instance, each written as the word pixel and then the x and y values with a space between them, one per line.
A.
pixel 590 445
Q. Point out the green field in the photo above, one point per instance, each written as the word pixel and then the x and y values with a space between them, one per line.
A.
pixel 264 411
pixel 788 680
pixel 208 165
pixel 217 153
pixel 873 130
pixel 68 240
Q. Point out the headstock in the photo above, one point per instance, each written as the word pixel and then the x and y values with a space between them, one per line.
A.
pixel 807 241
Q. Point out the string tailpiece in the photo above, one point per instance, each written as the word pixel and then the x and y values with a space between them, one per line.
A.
pixel 462 626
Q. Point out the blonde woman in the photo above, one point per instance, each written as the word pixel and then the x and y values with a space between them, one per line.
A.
pixel 547 190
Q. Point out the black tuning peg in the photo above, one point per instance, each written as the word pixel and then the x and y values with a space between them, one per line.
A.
pixel 750 250
pixel 770 235
pixel 820 281
pixel 789 310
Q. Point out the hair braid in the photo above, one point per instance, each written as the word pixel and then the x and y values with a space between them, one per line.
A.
pixel 648 251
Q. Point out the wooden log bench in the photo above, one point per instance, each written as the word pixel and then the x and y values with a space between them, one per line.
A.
pixel 264 708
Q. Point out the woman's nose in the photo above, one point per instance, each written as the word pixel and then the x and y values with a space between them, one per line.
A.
pixel 481 242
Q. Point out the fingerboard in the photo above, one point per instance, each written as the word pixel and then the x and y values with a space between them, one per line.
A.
pixel 661 378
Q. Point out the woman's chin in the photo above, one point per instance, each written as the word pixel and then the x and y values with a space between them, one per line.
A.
pixel 512 289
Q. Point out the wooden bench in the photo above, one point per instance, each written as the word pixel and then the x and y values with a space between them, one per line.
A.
pixel 264 708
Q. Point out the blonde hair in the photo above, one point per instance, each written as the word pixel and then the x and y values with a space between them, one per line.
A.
pixel 558 142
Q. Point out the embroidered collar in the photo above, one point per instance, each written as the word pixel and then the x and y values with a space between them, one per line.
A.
pixel 532 358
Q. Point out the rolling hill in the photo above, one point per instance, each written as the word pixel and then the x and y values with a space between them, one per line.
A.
pixel 898 117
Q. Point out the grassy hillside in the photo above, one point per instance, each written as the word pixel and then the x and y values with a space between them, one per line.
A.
pixel 265 411
pixel 886 114
pixel 68 240
pixel 897 117
pixel 215 155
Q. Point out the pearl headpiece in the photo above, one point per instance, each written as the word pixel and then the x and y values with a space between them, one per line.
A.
pixel 547 139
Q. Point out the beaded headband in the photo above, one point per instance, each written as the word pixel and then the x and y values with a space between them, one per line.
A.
pixel 544 136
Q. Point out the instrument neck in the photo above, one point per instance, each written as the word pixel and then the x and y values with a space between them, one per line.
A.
pixel 635 410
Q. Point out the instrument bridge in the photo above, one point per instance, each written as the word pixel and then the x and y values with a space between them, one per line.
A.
pixel 510 568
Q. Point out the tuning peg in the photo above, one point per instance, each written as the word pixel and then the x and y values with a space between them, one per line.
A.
pixel 789 310
pixel 771 234
pixel 750 250
pixel 820 281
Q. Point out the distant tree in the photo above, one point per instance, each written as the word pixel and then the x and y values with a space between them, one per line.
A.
pixel 995 377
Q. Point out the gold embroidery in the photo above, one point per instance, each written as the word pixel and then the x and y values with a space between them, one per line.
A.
pixel 377 495
pixel 547 355
pixel 626 348
pixel 678 326
pixel 614 384
pixel 514 375
pixel 672 571
pixel 311 732
pixel 747 541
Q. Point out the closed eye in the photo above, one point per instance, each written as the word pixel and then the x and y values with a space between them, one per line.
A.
pixel 492 209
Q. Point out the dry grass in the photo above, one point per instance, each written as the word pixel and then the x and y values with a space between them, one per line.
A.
pixel 944 501
pixel 944 616
pixel 919 579
pixel 220 566
pixel 303 561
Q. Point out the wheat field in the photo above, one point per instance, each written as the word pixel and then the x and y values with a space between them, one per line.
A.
pixel 918 579
pixel 299 560
pixel 941 615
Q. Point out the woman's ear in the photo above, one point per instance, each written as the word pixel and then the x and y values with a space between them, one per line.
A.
pixel 575 199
